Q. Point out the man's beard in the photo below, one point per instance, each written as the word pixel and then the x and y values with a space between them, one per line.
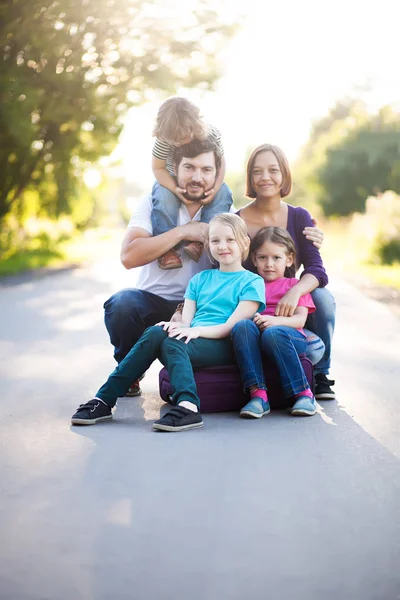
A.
pixel 196 198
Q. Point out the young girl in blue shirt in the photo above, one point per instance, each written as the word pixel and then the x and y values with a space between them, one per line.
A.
pixel 215 300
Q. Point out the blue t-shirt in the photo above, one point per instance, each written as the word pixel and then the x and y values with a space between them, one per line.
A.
pixel 217 294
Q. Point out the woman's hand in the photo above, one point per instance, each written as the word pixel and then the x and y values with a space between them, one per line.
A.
pixel 190 333
pixel 288 303
pixel 314 235
pixel 265 321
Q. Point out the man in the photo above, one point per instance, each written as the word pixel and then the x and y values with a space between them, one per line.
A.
pixel 129 312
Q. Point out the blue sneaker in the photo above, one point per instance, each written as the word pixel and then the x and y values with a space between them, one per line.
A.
pixel 255 409
pixel 304 406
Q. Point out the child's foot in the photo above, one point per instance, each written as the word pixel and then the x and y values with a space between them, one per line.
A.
pixel 194 250
pixel 255 409
pixel 170 260
pixel 323 387
pixel 179 419
pixel 304 406
pixel 134 388
pixel 91 413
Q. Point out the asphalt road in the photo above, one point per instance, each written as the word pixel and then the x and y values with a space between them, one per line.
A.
pixel 281 508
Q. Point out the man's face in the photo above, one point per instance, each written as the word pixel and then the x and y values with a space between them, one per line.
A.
pixel 197 175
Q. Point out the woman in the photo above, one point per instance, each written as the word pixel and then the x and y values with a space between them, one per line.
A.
pixel 268 180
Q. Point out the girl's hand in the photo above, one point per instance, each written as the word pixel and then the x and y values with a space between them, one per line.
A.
pixel 287 304
pixel 209 197
pixel 168 325
pixel 265 321
pixel 190 333
pixel 179 194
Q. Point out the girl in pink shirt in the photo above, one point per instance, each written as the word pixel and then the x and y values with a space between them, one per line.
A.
pixel 281 339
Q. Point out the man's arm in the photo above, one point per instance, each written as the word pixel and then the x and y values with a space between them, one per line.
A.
pixel 140 248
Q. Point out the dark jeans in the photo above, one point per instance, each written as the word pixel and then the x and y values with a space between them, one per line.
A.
pixel 322 323
pixel 178 357
pixel 128 313
pixel 282 345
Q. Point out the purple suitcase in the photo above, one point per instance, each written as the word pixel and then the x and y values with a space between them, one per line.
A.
pixel 220 388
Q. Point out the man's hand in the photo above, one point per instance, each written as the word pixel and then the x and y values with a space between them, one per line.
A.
pixel 265 321
pixel 195 231
pixel 209 197
pixel 314 235
pixel 287 304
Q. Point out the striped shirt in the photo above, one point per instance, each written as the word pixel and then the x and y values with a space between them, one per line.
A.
pixel 165 151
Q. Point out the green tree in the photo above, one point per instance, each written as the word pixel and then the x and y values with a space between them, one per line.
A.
pixel 345 116
pixel 364 163
pixel 70 69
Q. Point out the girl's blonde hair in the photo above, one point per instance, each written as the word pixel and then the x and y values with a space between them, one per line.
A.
pixel 177 119
pixel 276 235
pixel 238 227
pixel 283 166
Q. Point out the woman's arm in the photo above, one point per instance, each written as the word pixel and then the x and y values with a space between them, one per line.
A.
pixel 287 304
pixel 244 310
pixel 297 320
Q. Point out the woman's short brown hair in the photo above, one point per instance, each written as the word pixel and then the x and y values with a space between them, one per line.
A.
pixel 283 165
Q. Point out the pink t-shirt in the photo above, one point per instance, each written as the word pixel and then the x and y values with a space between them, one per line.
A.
pixel 274 290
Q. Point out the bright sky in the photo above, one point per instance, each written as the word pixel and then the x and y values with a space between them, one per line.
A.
pixel 290 62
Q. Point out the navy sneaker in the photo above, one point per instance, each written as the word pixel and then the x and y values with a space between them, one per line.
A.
pixel 323 387
pixel 304 407
pixel 255 409
pixel 91 413
pixel 179 418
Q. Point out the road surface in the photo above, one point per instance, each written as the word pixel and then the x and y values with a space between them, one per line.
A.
pixel 281 508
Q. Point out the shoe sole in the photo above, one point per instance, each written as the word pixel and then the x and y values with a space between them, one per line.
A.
pixel 245 414
pixel 159 427
pixel 299 412
pixel 90 421
pixel 327 396
pixel 133 394
pixel 170 267
pixel 193 255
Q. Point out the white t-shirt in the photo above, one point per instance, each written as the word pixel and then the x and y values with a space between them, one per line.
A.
pixel 170 284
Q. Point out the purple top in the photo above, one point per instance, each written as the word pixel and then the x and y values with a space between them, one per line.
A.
pixel 306 253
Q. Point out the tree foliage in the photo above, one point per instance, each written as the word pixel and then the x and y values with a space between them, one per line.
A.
pixel 349 156
pixel 366 162
pixel 69 71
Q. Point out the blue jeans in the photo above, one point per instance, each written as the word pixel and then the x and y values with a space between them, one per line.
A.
pixel 322 323
pixel 282 345
pixel 178 357
pixel 164 215
pixel 128 313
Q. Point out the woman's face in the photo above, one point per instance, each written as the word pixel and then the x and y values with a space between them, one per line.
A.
pixel 266 175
